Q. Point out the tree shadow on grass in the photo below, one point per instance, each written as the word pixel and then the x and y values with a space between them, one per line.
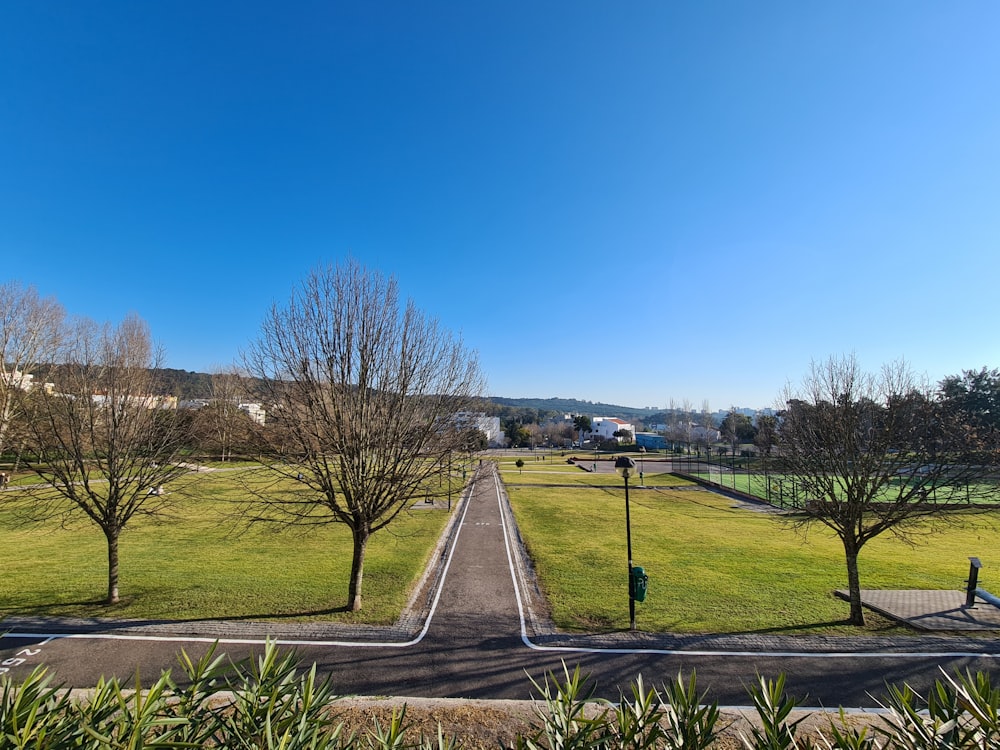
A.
pixel 875 623
pixel 275 617
pixel 799 628
pixel 41 609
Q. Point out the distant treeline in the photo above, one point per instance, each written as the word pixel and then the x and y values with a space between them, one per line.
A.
pixel 574 406
pixel 181 383
pixel 186 384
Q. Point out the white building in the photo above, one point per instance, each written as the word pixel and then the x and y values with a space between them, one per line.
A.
pixel 256 412
pixel 148 402
pixel 705 434
pixel 604 428
pixel 489 426
pixel 18 379
pixel 688 432
pixel 194 403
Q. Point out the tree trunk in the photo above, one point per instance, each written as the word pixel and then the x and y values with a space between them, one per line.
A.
pixel 5 415
pixel 857 616
pixel 357 569
pixel 112 538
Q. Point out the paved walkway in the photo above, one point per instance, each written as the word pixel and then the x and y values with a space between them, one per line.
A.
pixel 932 610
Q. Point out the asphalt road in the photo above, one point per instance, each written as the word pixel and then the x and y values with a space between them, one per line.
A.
pixel 480 641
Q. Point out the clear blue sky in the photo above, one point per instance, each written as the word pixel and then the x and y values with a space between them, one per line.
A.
pixel 620 202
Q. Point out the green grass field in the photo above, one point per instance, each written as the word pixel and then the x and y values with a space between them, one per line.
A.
pixel 713 567
pixel 717 568
pixel 554 469
pixel 200 564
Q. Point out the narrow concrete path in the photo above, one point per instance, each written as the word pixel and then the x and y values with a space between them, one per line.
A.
pixel 478 602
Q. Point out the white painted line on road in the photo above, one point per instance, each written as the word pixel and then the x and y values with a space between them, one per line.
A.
pixel 717 652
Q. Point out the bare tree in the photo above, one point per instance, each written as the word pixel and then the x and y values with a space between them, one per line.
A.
pixel 562 435
pixel 535 434
pixel 729 430
pixel 687 410
pixel 103 441
pixel 363 392
pixel 29 336
pixel 767 435
pixel 706 419
pixel 764 440
pixel 872 453
pixel 220 426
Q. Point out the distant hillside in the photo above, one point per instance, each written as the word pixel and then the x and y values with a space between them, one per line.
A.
pixel 185 385
pixel 188 385
pixel 191 385
pixel 169 382
pixel 574 406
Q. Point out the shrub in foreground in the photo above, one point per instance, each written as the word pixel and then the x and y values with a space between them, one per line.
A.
pixel 270 702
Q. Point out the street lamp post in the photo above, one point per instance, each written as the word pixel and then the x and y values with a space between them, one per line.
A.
pixel 626 467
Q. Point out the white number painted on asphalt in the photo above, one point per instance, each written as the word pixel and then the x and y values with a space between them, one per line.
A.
pixel 17 659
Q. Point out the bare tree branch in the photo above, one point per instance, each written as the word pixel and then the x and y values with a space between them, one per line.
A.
pixel 104 442
pixel 873 452
pixel 362 395
pixel 29 336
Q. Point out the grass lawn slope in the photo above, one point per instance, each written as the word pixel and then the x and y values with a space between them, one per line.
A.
pixel 714 565
pixel 199 564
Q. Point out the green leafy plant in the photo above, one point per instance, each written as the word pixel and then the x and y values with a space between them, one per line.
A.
pixel 635 723
pixel 392 736
pixel 844 736
pixel 958 712
pixel 565 725
pixel 441 743
pixel 691 723
pixel 113 717
pixel 275 705
pixel 981 702
pixel 773 707
pixel 192 698
pixel 34 713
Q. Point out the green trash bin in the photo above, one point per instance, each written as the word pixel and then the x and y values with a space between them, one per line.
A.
pixel 638 584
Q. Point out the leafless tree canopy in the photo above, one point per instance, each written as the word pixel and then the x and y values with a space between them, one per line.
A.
pixel 361 395
pixel 102 438
pixel 29 336
pixel 219 428
pixel 871 452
